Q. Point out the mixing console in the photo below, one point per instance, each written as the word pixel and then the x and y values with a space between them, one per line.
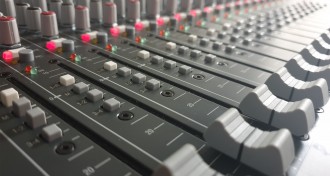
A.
pixel 164 87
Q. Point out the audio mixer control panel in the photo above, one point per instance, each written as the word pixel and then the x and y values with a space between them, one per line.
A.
pixel 164 87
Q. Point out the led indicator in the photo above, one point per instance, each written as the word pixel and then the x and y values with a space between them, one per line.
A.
pixel 28 69
pixel 139 26
pixel 85 37
pixel 33 71
pixel 7 56
pixel 160 22
pixel 115 32
pixel 51 46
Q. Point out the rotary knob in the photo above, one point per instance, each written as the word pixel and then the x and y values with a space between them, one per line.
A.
pixel 9 32
pixel 49 28
pixel 110 14
pixel 153 9
pixel 133 10
pixel 33 24
pixel 67 15
pixel 171 7
pixel 20 12
pixel 82 19
pixel 96 11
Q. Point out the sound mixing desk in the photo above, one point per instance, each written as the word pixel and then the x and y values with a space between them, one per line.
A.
pixel 164 87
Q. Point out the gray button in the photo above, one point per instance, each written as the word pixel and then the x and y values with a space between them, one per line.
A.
pixel 68 45
pixel 222 35
pixel 111 104
pixel 51 133
pixel 124 71
pixel 210 58
pixel 237 29
pixel 183 50
pixel 26 55
pixel 248 32
pixel 94 95
pixel 247 41
pixel 153 84
pixel 260 34
pixel 204 42
pixel 102 37
pixel 234 38
pixel 169 64
pixel 20 106
pixel 216 45
pixel 184 69
pixel 80 88
pixel 229 49
pixel 195 53
pixel 156 59
pixel 35 117
pixel 138 78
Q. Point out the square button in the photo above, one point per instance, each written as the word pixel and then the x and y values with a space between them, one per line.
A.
pixel 192 38
pixel 169 64
pixel 21 106
pixel 156 59
pixel 8 96
pixel 35 117
pixel 67 80
pixel 138 78
pixel 170 46
pixel 124 71
pixel 184 69
pixel 110 66
pixel 153 84
pixel 195 53
pixel 80 88
pixel 143 54
pixel 183 50
pixel 111 104
pixel 51 133
pixel 94 95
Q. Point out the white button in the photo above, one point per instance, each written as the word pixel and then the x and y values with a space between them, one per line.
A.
pixel 210 32
pixel 192 38
pixel 67 80
pixel 110 66
pixel 8 96
pixel 170 45
pixel 51 132
pixel 143 54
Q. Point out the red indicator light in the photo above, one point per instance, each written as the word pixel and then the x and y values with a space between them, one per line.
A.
pixel 28 69
pixel 85 37
pixel 160 21
pixel 115 32
pixel 73 56
pixel 138 39
pixel 177 17
pixel 109 47
pixel 193 13
pixel 139 26
pixel 7 56
pixel 51 46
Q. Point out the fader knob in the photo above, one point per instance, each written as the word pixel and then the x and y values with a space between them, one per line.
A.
pixel 153 9
pixel 49 26
pixel 26 55
pixel 9 32
pixel 33 24
pixel 96 11
pixel 82 19
pixel 133 10
pixel 109 14
pixel 171 7
pixel 67 15
pixel 20 12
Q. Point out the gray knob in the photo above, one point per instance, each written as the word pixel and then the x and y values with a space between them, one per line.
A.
pixel 20 12
pixel 143 5
pixel 130 31
pixel 68 45
pixel 9 32
pixel 82 19
pixel 96 11
pixel 67 15
pixel 42 4
pixel 171 7
pixel 26 55
pixel 49 26
pixel 199 4
pixel 55 6
pixel 7 7
pixel 186 5
pixel 85 3
pixel 33 24
pixel 102 37
pixel 109 14
pixel 121 8
pixel 133 10
pixel 153 9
